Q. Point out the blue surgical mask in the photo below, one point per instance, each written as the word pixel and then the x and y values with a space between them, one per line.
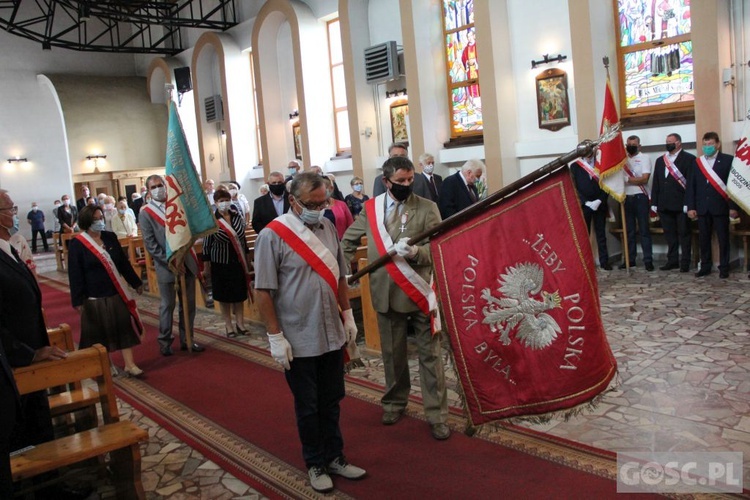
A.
pixel 98 226
pixel 311 217
pixel 14 228
pixel 357 188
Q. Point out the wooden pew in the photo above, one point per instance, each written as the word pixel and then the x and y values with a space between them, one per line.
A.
pixel 369 316
pixel 121 439
pixel 71 397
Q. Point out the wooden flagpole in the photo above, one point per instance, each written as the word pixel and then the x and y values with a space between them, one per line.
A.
pixel 625 237
pixel 582 150
pixel 186 314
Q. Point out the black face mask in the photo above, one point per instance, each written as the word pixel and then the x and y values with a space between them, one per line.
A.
pixel 671 146
pixel 399 191
pixel 276 189
pixel 632 150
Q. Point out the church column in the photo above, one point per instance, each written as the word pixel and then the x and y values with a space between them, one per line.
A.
pixel 713 100
pixel 355 38
pixel 584 76
pixel 499 112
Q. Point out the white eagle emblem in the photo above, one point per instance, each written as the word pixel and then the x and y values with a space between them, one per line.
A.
pixel 536 328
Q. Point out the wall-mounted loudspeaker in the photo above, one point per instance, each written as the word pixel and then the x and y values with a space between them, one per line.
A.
pixel 182 78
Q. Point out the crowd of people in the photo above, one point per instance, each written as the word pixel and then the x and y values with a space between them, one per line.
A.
pixel 684 188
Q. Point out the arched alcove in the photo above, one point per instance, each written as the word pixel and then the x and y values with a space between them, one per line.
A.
pixel 313 97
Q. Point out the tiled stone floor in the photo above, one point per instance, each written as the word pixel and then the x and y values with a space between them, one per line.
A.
pixel 683 349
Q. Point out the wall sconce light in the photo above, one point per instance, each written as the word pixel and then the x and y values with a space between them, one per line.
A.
pixel 546 59
pixel 294 114
pixel 17 160
pixel 96 157
pixel 395 93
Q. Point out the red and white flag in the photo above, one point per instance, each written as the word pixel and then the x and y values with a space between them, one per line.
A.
pixel 611 155
pixel 520 301
pixel 738 184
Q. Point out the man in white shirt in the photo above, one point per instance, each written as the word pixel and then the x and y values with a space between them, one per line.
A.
pixel 637 202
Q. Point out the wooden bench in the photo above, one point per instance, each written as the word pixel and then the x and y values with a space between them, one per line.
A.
pixel 72 397
pixel 121 439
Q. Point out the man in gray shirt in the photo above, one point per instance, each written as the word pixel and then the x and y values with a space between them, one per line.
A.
pixel 300 285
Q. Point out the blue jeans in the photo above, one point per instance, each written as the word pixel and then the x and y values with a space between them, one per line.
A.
pixel 637 208
pixel 317 384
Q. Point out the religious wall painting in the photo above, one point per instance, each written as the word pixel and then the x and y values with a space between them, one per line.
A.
pixel 399 112
pixel 553 106
pixel 297 136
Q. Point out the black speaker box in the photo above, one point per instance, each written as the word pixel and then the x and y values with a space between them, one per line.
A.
pixel 182 77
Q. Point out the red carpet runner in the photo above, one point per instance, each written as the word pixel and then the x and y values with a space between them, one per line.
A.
pixel 253 403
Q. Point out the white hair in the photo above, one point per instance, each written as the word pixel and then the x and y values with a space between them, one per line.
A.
pixel 473 165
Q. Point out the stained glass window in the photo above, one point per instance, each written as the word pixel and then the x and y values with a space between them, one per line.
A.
pixel 463 68
pixel 655 55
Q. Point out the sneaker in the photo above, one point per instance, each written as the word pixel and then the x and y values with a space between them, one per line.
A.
pixel 319 479
pixel 341 467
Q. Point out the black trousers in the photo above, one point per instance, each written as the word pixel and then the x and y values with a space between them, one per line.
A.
pixel 677 232
pixel 317 384
pixel 600 228
pixel 7 420
pixel 707 224
pixel 40 232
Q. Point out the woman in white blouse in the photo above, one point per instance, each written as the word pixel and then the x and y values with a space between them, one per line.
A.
pixel 123 224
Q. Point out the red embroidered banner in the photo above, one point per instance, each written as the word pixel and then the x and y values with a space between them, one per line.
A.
pixel 518 289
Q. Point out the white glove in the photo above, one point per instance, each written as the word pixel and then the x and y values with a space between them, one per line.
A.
pixel 281 349
pixel 593 205
pixel 350 327
pixel 684 209
pixel 403 249
pixel 654 208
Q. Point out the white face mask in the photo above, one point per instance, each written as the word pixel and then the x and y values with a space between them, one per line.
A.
pixel 121 211
pixel 109 206
pixel 233 192
pixel 159 194
pixel 429 168
pixel 34 209
pixel 223 206
pixel 66 202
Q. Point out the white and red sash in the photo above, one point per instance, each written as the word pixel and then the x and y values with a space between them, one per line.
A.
pixel 114 275
pixel 713 178
pixel 227 229
pixel 308 246
pixel 630 173
pixel 161 219
pixel 412 284
pixel 675 172
pixel 590 170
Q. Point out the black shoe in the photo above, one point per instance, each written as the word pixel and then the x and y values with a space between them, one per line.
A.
pixel 668 267
pixel 624 266
pixel 166 351
pixel 231 335
pixel 240 331
pixel 196 347
pixel 606 267
pixel 702 273
pixel 723 274
pixel 649 267
pixel 684 269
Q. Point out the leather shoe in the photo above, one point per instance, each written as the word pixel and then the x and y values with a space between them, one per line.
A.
pixel 166 351
pixel 196 347
pixel 624 266
pixel 684 269
pixel 440 432
pixel 391 417
pixel 668 267
pixel 723 274
pixel 649 267
pixel 606 267
pixel 702 273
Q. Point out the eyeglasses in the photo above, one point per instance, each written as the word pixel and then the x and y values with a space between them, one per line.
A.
pixel 13 209
pixel 317 206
